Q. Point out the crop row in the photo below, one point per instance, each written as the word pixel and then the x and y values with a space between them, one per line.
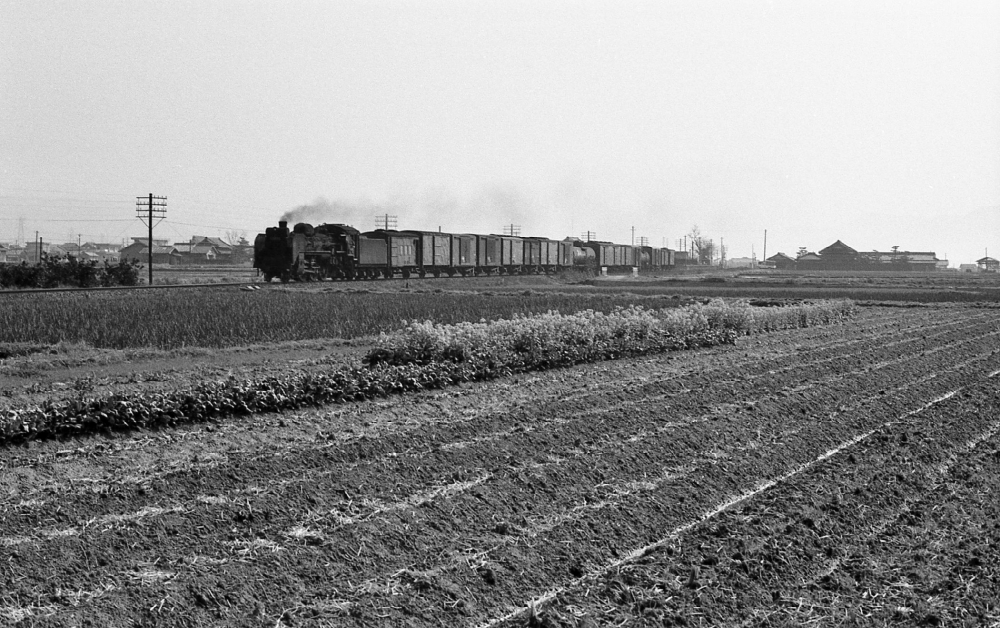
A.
pixel 225 318
pixel 598 337
pixel 557 339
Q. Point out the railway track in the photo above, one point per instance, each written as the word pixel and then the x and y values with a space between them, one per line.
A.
pixel 129 288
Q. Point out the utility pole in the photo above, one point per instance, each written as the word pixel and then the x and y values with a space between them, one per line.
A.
pixel 145 209
pixel 633 235
pixel 588 235
pixel 512 230
pixel 385 221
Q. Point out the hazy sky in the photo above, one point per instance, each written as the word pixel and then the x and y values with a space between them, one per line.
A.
pixel 877 123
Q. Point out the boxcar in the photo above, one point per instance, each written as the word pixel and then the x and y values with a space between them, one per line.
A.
pixel 511 254
pixel 488 249
pixel 433 252
pixel 532 255
pixel 400 251
pixel 463 254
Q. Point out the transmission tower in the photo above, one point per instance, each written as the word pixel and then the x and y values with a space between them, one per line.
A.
pixel 385 221
pixel 512 230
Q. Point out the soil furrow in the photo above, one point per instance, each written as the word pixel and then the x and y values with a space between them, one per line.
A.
pixel 455 507
pixel 721 572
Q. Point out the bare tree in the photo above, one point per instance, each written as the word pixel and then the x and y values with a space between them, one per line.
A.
pixel 236 236
pixel 703 248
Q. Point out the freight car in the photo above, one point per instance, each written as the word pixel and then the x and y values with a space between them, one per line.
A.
pixel 335 251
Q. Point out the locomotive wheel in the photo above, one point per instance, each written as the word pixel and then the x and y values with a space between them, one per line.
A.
pixel 268 277
pixel 286 277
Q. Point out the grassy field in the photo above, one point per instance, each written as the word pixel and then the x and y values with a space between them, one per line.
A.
pixel 226 317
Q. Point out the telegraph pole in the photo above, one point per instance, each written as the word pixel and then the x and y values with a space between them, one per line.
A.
pixel 145 209
pixel 589 235
pixel 512 230
pixel 385 221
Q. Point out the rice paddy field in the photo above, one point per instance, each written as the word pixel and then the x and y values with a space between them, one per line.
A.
pixel 745 451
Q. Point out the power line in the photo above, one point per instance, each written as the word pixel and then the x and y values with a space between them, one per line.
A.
pixel 72 219
pixel 77 192
pixel 188 224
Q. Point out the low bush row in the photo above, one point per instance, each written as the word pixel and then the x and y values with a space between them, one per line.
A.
pixel 557 339
pixel 420 356
pixel 55 271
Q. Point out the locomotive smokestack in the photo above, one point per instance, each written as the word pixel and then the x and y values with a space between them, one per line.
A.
pixel 282 224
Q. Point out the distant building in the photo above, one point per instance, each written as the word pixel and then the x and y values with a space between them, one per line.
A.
pixel 101 251
pixel 138 251
pixel 988 265
pixel 740 262
pixel 809 261
pixel 3 253
pixel 33 251
pixel 782 261
pixel 204 249
pixel 906 260
pixel 968 268
pixel 837 256
pixel 143 241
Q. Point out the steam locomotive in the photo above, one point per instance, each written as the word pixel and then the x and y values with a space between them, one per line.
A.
pixel 335 251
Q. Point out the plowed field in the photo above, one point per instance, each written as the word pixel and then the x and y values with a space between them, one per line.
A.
pixel 842 475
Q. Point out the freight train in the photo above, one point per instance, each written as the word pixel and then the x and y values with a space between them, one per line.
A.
pixel 334 251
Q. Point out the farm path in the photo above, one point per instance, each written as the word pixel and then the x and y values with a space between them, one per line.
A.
pixel 771 481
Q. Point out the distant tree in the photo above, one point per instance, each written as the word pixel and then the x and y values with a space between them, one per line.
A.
pixel 704 248
pixel 237 237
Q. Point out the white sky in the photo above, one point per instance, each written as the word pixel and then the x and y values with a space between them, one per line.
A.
pixel 877 123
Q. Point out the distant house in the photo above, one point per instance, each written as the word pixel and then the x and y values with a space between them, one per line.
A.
pixel 103 247
pixel 837 256
pixel 740 262
pixel 205 250
pixel 72 248
pixel 988 265
pixel 33 252
pixel 782 261
pixel 968 268
pixel 138 251
pixel 14 254
pixel 906 260
pixel 809 261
